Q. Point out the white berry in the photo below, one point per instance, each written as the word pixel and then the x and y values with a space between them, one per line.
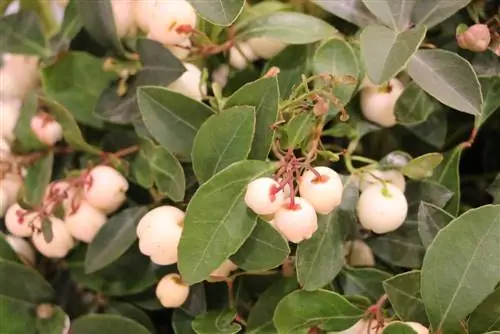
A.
pixel 5 151
pixel 417 327
pixel 46 129
pixel 392 176
pixel 296 222
pixel 361 255
pixel 265 47
pixel 85 222
pixel 9 188
pixel 189 83
pixel 261 196
pixel 9 114
pixel 123 14
pixel 323 192
pixel 181 50
pixel 378 102
pixel 171 291
pixel 18 75
pixel 61 242
pixel 143 11
pixel 106 189
pixel 240 55
pixel 19 222
pixel 382 209
pixel 22 248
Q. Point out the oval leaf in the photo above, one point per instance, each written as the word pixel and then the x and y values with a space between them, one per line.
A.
pixel 37 179
pixel 365 282
pixel 168 174
pixel 6 251
pixel 415 106
pixel 106 323
pixel 448 175
pixel 431 219
pixel 394 13
pixel 398 327
pixel 21 316
pixel 218 321
pixel 132 312
pixel 223 12
pixel 486 317
pixel 433 12
pixel 422 166
pixel 353 11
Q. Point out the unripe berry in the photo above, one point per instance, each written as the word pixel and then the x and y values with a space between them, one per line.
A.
pixel 61 242
pixel 9 114
pixel 46 129
pixel 264 47
pixel 417 327
pixel 106 189
pixel 22 248
pixel 181 50
pixel 171 21
pixel 296 222
pixel 476 38
pixel 378 103
pixel 123 14
pixel 392 176
pixel 171 291
pixel 84 224
pixel 323 192
pixel 189 83
pixel 9 188
pixel 361 255
pixel 261 196
pixel 19 222
pixel 159 233
pixel 18 75
pixel 5 151
pixel 382 209
pixel 224 270
pixel 240 55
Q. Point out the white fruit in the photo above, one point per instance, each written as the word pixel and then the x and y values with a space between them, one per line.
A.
pixel 143 11
pixel 382 209
pixel 46 129
pixel 123 14
pixel 61 242
pixel 361 255
pixel 17 225
pixel 392 176
pixel 261 196
pixel 18 75
pixel 9 188
pixel 189 83
pixel 9 114
pixel 224 269
pixel 171 291
pixel 107 188
pixel 265 47
pixel 324 193
pixel 363 326
pixel 221 75
pixel 5 151
pixel 171 21
pixel 181 50
pixel 419 328
pixel 378 102
pixel 297 222
pixel 22 248
pixel 240 55
pixel 84 224
pixel 159 233
pixel 67 325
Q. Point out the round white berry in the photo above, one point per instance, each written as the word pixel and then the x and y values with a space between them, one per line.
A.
pixel 181 50
pixel 223 271
pixel 22 248
pixel 382 209
pixel 261 196
pixel 323 192
pixel 106 189
pixel 171 21
pixel 47 130
pixel 361 255
pixel 171 291
pixel 265 47
pixel 123 14
pixel 19 222
pixel 159 215
pixel 18 75
pixel 5 151
pixel 378 102
pixel 84 224
pixel 296 222
pixel 61 242
pixel 143 11
pixel 240 55
pixel 9 114
pixel 417 327
pixel 392 176
pixel 189 83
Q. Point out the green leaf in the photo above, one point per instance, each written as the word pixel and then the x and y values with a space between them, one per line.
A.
pixel 37 179
pixel 447 77
pixel 447 174
pixel 431 219
pixel 298 129
pixel 353 11
pixel 490 87
pixel 304 309
pixel 396 14
pixel 223 139
pixel 168 174
pixel 131 312
pixel 21 316
pixel 264 249
pixel 71 25
pixel 53 325
pixel 113 239
pixel 6 251
pixel 172 118
pixel 385 52
pixel 422 166
pixel 216 322
pixel 26 140
pixel 106 323
pixel 47 232
pixel 218 221
pixel 22 33
pixel 415 106
pixel 260 319
pixel 263 94
pixel 223 12
pixel 84 72
pixel 398 327
pixel 494 190
pixel 140 167
pixel 403 291
pixel 433 12
pixel 365 282
pixel 181 322
pixel 486 317
pixel 287 27
pixel 433 130
pixel 455 261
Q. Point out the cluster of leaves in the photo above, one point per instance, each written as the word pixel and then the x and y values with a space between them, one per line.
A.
pixel 440 268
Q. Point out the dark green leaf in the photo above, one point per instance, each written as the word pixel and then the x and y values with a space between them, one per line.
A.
pixel 26 140
pixel 396 14
pixel 364 282
pixel 106 323
pixel 47 232
pixel 216 322
pixel 353 11
pixel 433 130
pixel 414 106
pixel 298 129
pixel 422 166
pixel 223 12
pixel 431 219
pixel 181 322
pixel 494 190
pixel 131 312
pixel 223 139
pixel 21 315
pixel 72 23
pixel 486 317
pixel 141 167
pixel 490 87
pixel 6 251
pixel 37 179
pixel 168 174
pixel 432 12
pixel 53 325
pixel 447 174
pixel 398 327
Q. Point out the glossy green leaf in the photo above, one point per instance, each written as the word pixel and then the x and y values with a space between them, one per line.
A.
pixel 264 249
pixel 140 167
pixel 181 322
pixel 71 24
pixel 218 221
pixel 353 11
pixel 263 94
pixel 396 14
pixel 403 291
pixel 365 282
pixel 490 87
pixel 53 325
pixel 113 239
pixel 287 27
pixel 106 323
pixel 486 317
pixel 298 129
pixel 37 179
pixel 433 12
pixel 172 118
pixel 21 315
pixel 215 322
pixel 168 174
pixel 455 261
pixel 385 52
pixel 494 189
pixel 398 327
pixel 447 77
pixel 447 174
pixel 304 309
pixel 422 166
pixel 26 140
pixel 415 106
pixel 6 251
pixel 223 12
pixel 223 139
pixel 131 312
pixel 431 219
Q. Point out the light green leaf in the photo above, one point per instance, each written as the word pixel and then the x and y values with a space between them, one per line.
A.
pixel 113 239
pixel 490 87
pixel 223 139
pixel 172 118
pixel 218 221
pixel 365 282
pixel 298 129
pixel 263 94
pixel 304 309
pixel 168 174
pixel 422 166
pixel 21 315
pixel 415 106
pixel 433 12
pixel 447 174
pixel 53 325
pixel 455 261
pixel 71 24
pixel 222 12
pixel 398 327
pixel 486 317
pixel 385 52
pixel 216 322
pixel 447 77
pixel 396 14
pixel 264 249
pixel 431 219
pixel 106 323
pixel 37 179
pixel 132 312
pixel 353 11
